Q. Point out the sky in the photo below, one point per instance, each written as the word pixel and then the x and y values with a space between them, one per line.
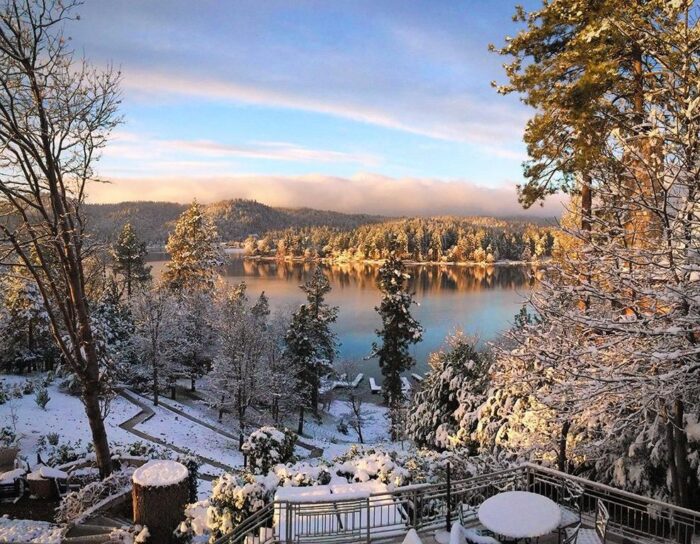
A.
pixel 359 106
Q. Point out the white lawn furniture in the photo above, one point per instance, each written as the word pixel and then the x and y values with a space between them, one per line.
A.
pixel 592 536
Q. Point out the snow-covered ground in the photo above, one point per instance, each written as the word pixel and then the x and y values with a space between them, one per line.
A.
pixel 184 433
pixel 64 415
pixel 26 531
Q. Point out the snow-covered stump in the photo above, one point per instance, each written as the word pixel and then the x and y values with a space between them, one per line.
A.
pixel 159 496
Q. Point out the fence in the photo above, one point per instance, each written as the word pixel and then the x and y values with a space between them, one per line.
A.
pixel 385 515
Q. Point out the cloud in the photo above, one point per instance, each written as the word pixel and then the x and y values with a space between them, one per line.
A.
pixel 158 155
pixel 365 192
pixel 492 127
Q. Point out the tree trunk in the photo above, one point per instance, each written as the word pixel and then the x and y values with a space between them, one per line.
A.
pixel 300 428
pixel 671 456
pixel 561 456
pixel 97 427
pixel 155 384
pixel 681 454
pixel 192 385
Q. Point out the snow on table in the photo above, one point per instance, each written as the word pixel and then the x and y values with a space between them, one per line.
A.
pixel 520 514
pixel 160 473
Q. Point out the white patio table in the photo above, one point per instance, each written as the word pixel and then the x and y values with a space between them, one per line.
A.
pixel 519 514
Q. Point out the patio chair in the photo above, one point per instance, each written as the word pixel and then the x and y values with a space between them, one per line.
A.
pixel 571 536
pixel 599 533
pixel 474 536
pixel 569 501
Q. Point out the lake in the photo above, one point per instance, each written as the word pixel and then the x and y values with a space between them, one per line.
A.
pixel 480 301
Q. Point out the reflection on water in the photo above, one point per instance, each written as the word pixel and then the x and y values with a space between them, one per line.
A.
pixel 478 300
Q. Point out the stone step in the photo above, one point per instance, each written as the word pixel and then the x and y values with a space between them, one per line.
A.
pixel 107 521
pixel 87 539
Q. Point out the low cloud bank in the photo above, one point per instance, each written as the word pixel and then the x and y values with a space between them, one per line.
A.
pixel 363 193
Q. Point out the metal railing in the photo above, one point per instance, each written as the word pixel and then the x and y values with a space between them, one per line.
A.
pixel 385 515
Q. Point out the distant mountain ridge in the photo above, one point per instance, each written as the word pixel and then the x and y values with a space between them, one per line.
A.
pixel 235 219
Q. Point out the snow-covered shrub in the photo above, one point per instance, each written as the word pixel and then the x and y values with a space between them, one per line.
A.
pixel 233 499
pixel 75 503
pixel 42 398
pixel 8 437
pixel 360 465
pixel 140 449
pixel 55 454
pixel 28 387
pixel 302 474
pixel 268 447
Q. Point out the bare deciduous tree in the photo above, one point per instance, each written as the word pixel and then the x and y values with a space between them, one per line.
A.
pixel 56 113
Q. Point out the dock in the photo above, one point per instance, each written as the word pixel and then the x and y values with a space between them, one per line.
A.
pixel 417 377
pixel 373 387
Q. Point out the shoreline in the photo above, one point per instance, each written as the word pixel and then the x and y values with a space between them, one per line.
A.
pixel 377 262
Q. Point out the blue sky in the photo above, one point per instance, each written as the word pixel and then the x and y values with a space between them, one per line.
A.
pixel 381 106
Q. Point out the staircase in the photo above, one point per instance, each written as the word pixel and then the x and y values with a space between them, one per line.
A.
pixel 95 530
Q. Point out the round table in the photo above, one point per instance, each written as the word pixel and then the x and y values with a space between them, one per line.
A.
pixel 519 514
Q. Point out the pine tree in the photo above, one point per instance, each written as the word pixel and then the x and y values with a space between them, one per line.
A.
pixel 454 386
pixel 114 328
pixel 128 255
pixel 311 343
pixel 25 336
pixel 194 252
pixel 399 329
pixel 606 377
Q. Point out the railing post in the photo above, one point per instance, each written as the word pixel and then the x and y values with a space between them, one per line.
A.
pixel 369 533
pixel 449 498
pixel 288 517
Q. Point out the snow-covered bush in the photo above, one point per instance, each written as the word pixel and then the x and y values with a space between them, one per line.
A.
pixel 42 397
pixel 302 474
pixel 268 447
pixel 76 503
pixel 60 454
pixel 8 437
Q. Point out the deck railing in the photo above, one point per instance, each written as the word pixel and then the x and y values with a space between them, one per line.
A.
pixel 386 515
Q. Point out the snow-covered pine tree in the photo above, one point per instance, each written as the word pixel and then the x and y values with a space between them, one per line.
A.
pixel 194 252
pixel 399 329
pixel 128 260
pixel 25 336
pixel 312 344
pixel 114 329
pixel 455 385
pixel 615 352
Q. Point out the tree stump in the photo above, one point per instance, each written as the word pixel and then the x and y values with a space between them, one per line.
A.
pixel 159 496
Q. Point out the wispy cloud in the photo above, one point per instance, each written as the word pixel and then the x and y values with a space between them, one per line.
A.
pixel 368 193
pixel 158 154
pixel 493 128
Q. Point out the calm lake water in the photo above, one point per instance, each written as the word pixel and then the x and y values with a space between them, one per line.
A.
pixel 479 301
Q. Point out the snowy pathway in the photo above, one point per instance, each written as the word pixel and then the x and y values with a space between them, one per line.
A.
pixel 146 413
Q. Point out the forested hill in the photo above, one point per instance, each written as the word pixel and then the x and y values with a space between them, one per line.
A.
pixel 428 239
pixel 235 219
